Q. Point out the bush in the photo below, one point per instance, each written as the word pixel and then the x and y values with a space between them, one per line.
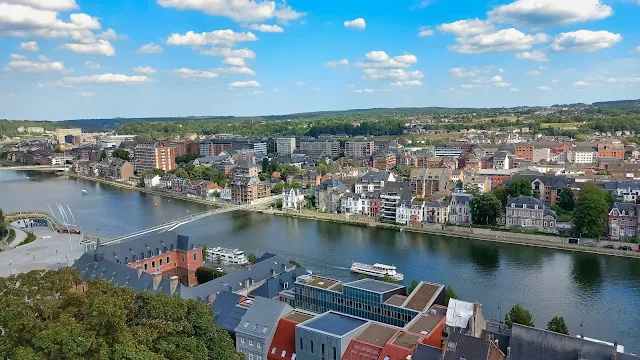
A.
pixel 634 240
pixel 11 237
pixel 30 238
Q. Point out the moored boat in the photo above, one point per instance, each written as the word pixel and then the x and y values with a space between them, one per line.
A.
pixel 377 270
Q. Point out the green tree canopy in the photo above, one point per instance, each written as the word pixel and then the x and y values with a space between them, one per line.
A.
pixel 252 258
pixel 485 209
pixel 121 154
pixel 518 315
pixel 501 193
pixel 557 325
pixel 188 157
pixel 591 212
pixel 42 319
pixel 520 187
pixel 449 294
pixel 566 200
pixel 413 286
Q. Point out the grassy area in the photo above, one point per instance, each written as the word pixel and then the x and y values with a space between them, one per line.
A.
pixel 12 236
pixel 559 125
pixel 30 238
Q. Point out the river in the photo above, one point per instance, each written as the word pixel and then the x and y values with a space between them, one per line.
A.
pixel 602 292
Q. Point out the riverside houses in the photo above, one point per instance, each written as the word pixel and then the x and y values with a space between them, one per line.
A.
pixel 460 209
pixel 257 327
pixel 529 212
pixel 623 221
pixel 292 199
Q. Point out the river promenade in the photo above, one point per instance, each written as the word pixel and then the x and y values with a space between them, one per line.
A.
pixel 542 241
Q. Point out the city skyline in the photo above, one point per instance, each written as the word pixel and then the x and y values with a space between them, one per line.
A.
pixel 73 59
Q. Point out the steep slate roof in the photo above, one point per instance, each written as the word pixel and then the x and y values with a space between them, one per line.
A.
pixel 262 317
pixel 402 188
pixel 461 198
pixel 426 352
pixel 333 184
pixel 227 314
pixel 555 181
pixel 467 347
pixel 531 343
pixel 374 176
pixel 528 200
pixel 147 246
pixel 275 285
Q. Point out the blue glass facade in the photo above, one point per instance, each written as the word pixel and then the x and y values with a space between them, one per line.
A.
pixel 354 301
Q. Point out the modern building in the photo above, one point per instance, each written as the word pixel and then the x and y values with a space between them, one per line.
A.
pixel 257 326
pixel 370 343
pixel 373 181
pixel 529 212
pixel 582 155
pixel 214 147
pixel 285 146
pixel 292 199
pixel 448 150
pixel 316 149
pixel 391 196
pixel 148 156
pixel 358 149
pixel 326 337
pixel 283 345
pixel 61 134
pixel 623 221
pixel 460 209
pixel 383 160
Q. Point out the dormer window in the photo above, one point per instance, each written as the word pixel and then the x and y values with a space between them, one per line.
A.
pixel 524 206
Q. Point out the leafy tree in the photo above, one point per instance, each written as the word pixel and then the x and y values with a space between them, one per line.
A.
pixel 294 263
pixel 449 294
pixel 413 286
pixel 501 193
pixel 121 154
pixel 403 170
pixel 520 187
pixel 153 172
pixel 388 279
pixel 278 188
pixel 485 209
pixel 252 258
pixel 188 157
pixel 286 171
pixel 323 168
pixel 566 200
pixel 591 212
pixel 3 226
pixel 362 276
pixel 471 189
pixel 557 325
pixel 518 315
pixel 265 164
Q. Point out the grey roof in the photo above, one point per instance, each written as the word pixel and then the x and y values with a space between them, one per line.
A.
pixel 427 352
pixel 333 184
pixel 437 204
pixel 531 343
pixel 528 200
pixel 555 181
pixel 467 347
pixel 615 185
pixel 145 246
pixel 227 314
pixel 402 188
pixel 234 281
pixel 262 317
pixel 373 285
pixel 627 207
pixel 460 197
pixel 375 176
pixel 334 323
pixel 275 285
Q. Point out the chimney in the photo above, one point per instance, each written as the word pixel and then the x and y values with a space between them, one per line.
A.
pixel 139 268
pixel 174 281
pixel 246 285
pixel 157 278
pixel 211 299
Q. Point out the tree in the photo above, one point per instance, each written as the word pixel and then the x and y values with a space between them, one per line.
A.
pixel 362 276
pixel 449 294
pixel 278 188
pixel 501 193
pixel 265 164
pixel 323 168
pixel 520 187
pixel 188 157
pixel 557 325
pixel 287 171
pixel 403 170
pixel 566 200
pixel 153 172
pixel 485 209
pixel 121 154
pixel 413 286
pixel 3 226
pixel 387 278
pixel 471 189
pixel 590 215
pixel 518 315
pixel 252 258
pixel 294 263
pixel 103 155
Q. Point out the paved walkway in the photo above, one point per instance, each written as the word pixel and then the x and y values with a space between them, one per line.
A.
pixel 50 251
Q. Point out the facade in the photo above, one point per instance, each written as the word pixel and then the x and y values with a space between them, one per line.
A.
pixel 211 148
pixel 373 181
pixel 355 204
pixel 611 149
pixel 460 209
pixel 117 169
pixel 329 148
pixel 257 326
pixel 61 134
pixel 582 155
pixel 328 195
pixel 326 337
pixel 529 212
pixel 358 149
pixel 436 180
pixel 548 187
pixel 285 146
pixel 391 196
pixel 449 150
pixel 625 191
pixel 292 199
pixel 501 161
pixel 383 160
pixel 525 151
pixel 623 221
pixel 148 156
pixel 245 185
pixel 496 177
pixel 436 212
pixel 410 212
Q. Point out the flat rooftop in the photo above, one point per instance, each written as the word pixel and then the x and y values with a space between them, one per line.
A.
pixel 376 334
pixel 372 285
pixel 425 323
pixel 321 282
pixel 334 323
pixel 396 300
pixel 406 340
pixel 423 296
pixel 300 317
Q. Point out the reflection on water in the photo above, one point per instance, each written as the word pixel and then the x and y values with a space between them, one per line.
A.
pixel 485 257
pixel 587 271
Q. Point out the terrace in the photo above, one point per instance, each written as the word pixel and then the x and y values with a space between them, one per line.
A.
pixel 423 296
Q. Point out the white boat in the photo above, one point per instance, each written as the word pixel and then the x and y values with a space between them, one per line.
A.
pixel 227 256
pixel 84 192
pixel 377 270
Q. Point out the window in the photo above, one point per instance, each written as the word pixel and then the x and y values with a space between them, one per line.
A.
pixel 273 351
pixel 250 342
pixel 168 260
pixel 250 356
pixel 258 357
pixel 160 263
pixel 311 346
pixel 301 344
pixel 334 353
pixel 182 257
pixel 195 256
pixel 259 344
pixel 146 266
pixel 241 340
pixel 322 350
pixel 153 264
pixel 284 352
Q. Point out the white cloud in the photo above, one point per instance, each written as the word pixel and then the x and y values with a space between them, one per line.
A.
pixel 364 91
pixel 234 61
pixel 333 64
pixel 495 81
pixel 145 70
pixel 465 28
pixel 217 37
pixel 243 84
pixel 85 93
pixel 377 56
pixel 466 86
pixel 535 55
pixel 301 83
pixel 585 41
pixel 533 72
pixel 500 70
pixel 56 5
pixel 543 88
pixel 29 46
pixel 239 70
pixel 194 74
pixel 601 80
pixel 228 52
pixel 91 65
pixel 638 47
pixel 514 89
pixel 256 92
pixel 407 83
pixel 110 34
pixel 43 58
pixel 150 48
pixel 358 24
pixel 581 83
pixel 238 10
pixel 501 40
pixel 107 79
pixel 18 57
pixel 426 32
pixel 548 13
pixel 266 28
pixel 393 74
pixel 471 72
pixel 555 81
pixel 99 47
pixel 351 86
pixel 380 59
pixel 33 66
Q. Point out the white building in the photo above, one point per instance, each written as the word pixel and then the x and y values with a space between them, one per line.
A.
pixel 373 181
pixel 355 204
pixel 225 194
pixel 460 209
pixel 285 146
pixel 582 156
pixel 292 199
pixel 60 159
pixel 227 256
pixel 436 212
pixel 540 154
pixel 152 182
pixel 410 212
pixel 391 196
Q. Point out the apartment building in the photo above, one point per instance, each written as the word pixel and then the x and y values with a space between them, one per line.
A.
pixel 529 212
pixel 391 196
pixel 373 181
pixel 460 209
pixel 623 221
pixel 611 149
pixel 211 148
pixel 149 156
pixel 257 327
pixel 383 160
pixel 285 146
pixel 245 185
pixel 330 148
pixel 582 155
pixel 358 149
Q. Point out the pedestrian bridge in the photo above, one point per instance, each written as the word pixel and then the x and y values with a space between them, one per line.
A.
pixel 36 167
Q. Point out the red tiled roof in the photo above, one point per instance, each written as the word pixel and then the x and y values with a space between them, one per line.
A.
pixel 358 350
pixel 395 352
pixel 283 339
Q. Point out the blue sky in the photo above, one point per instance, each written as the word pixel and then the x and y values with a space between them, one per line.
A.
pixel 68 59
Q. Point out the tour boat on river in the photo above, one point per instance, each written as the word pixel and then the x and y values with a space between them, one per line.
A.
pixel 377 270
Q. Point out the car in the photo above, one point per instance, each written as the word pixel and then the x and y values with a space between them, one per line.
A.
pixel 638 249
pixel 589 243
pixel 609 246
pixel 625 248
pixel 219 269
